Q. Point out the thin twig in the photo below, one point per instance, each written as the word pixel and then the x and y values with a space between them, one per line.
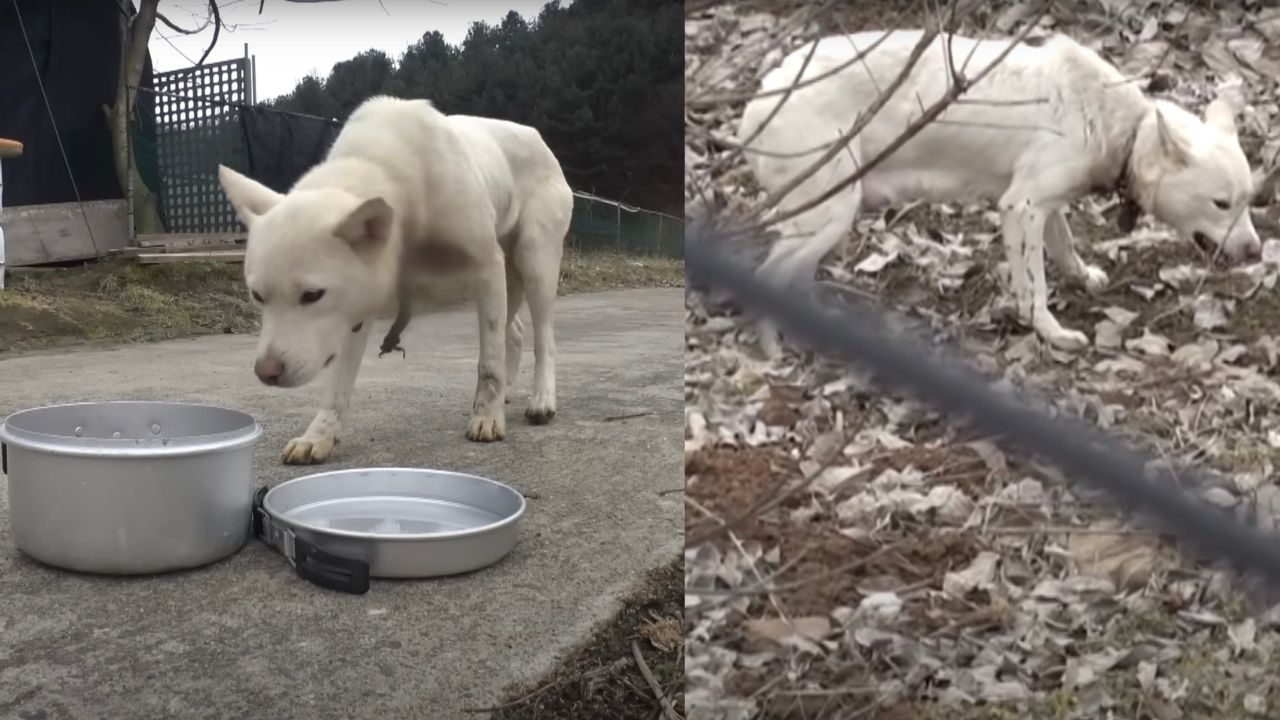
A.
pixel 615 418
pixel 668 710
pixel 935 110
pixel 708 103
pixel 864 117
pixel 523 699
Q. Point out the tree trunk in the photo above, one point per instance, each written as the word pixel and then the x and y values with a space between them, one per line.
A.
pixel 146 213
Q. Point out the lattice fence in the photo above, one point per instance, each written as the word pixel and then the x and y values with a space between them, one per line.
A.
pixel 198 127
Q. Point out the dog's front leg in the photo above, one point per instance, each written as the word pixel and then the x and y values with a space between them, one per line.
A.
pixel 1062 250
pixel 316 444
pixel 1024 227
pixel 488 414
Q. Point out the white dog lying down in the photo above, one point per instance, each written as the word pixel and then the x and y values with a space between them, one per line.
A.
pixel 1051 123
pixel 406 194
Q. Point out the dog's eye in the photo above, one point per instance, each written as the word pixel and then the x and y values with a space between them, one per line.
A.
pixel 256 297
pixel 1222 204
pixel 311 296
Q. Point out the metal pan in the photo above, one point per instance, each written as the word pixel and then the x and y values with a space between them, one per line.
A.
pixel 341 528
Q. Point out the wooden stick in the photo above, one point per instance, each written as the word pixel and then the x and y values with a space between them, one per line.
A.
pixel 10 148
pixel 668 710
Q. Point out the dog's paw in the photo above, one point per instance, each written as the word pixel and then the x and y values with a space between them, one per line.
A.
pixel 1095 279
pixel 307 451
pixel 1048 328
pixel 486 429
pixel 541 410
pixel 1069 340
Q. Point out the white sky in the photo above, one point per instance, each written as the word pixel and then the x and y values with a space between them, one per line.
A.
pixel 292 39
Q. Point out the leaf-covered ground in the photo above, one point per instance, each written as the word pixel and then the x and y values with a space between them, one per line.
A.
pixel 852 554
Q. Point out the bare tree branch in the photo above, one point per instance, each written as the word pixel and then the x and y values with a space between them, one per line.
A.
pixel 859 123
pixel 217 26
pixel 934 111
pixel 160 16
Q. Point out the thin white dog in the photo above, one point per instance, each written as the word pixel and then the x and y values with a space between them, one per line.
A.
pixel 406 195
pixel 1051 123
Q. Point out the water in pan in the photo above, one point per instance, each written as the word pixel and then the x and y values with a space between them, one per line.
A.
pixel 390 515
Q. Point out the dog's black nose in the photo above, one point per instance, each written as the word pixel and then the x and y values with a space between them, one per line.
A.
pixel 269 368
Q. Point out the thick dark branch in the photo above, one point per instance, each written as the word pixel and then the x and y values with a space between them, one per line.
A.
pixel 160 16
pixel 217 27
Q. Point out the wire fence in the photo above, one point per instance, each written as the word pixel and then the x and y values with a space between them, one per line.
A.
pixel 197 127
pixel 899 362
pixel 602 224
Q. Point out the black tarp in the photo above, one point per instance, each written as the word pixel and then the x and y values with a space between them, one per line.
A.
pixel 77 54
pixel 281 147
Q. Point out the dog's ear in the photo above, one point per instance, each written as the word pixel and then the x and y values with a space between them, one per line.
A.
pixel 368 226
pixel 1219 114
pixel 1172 146
pixel 250 198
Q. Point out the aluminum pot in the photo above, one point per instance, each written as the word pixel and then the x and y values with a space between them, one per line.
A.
pixel 129 487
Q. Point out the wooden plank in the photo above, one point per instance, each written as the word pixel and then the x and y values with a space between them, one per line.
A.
pixel 191 240
pixel 178 249
pixel 40 234
pixel 225 256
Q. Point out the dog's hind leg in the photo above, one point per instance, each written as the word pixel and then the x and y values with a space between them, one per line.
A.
pixel 538 253
pixel 1061 247
pixel 488 417
pixel 316 444
pixel 515 328
pixel 794 258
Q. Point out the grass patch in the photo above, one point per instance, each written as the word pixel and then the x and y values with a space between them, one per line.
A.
pixel 601 679
pixel 115 302
pixel 596 271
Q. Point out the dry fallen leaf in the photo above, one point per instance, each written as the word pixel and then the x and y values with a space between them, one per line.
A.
pixel 666 635
pixel 1126 559
pixel 780 632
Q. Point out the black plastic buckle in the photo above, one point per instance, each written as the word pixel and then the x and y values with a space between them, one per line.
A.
pixel 259 515
pixel 328 570
pixel 321 567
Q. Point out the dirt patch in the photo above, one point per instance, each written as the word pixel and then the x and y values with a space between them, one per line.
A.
pixel 823 568
pixel 730 482
pixel 113 302
pixel 602 679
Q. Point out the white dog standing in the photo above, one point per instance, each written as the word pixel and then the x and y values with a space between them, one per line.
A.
pixel 1049 124
pixel 406 194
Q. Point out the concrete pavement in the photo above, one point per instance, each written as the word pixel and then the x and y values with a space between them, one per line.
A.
pixel 246 638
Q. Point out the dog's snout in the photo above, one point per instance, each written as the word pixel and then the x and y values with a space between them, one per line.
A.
pixel 1253 252
pixel 269 368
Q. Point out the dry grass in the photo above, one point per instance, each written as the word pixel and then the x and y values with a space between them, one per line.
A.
pixel 114 302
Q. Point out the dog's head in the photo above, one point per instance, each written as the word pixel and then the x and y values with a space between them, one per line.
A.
pixel 315 264
pixel 1191 173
